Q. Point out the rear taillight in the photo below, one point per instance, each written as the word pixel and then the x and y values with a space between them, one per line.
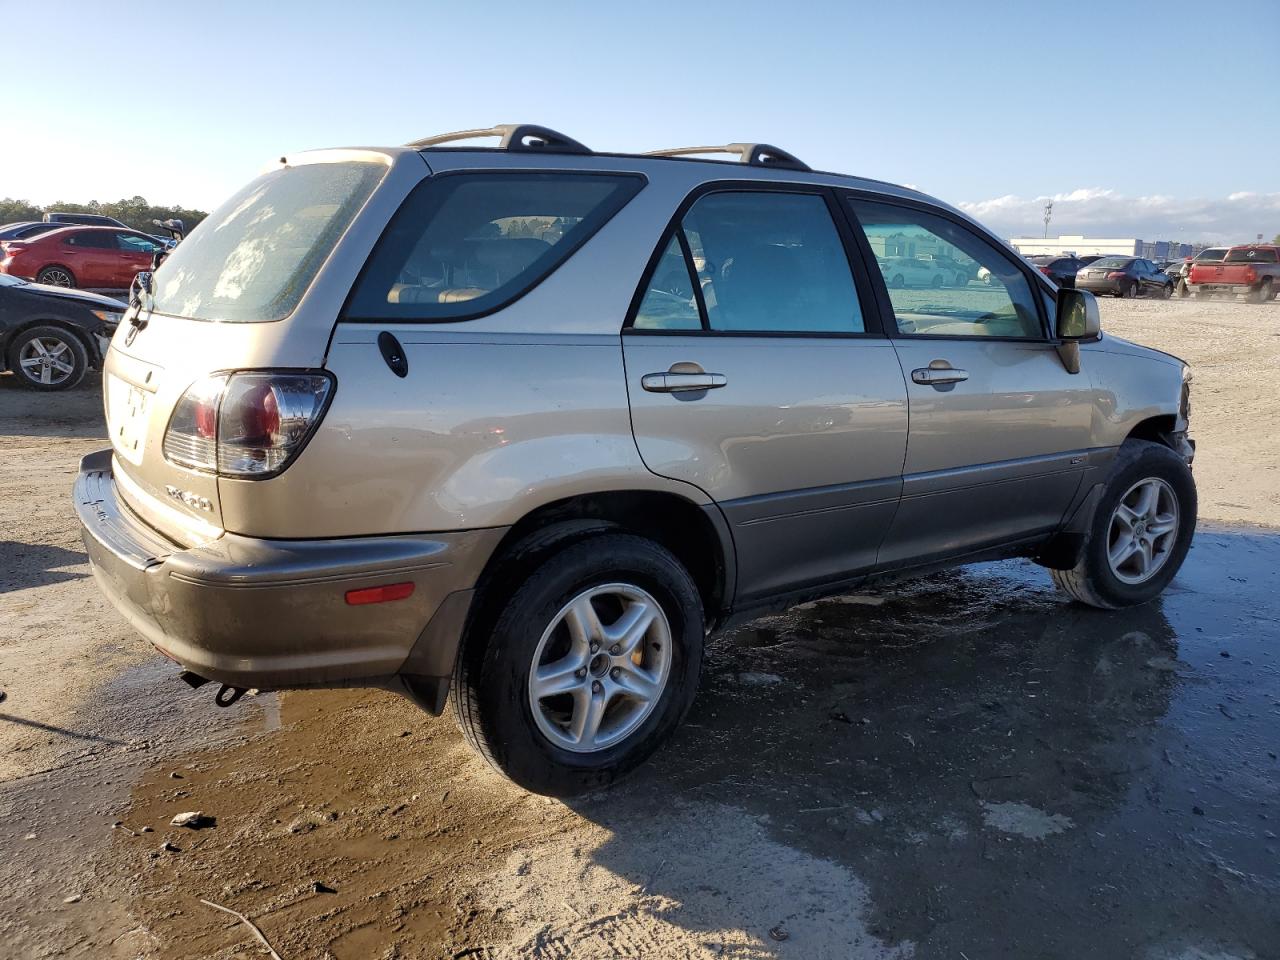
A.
pixel 1250 275
pixel 1115 275
pixel 248 425
pixel 1045 271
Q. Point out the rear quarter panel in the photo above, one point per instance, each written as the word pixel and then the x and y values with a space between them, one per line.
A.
pixel 483 429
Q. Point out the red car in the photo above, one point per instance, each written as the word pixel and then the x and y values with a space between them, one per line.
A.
pixel 93 257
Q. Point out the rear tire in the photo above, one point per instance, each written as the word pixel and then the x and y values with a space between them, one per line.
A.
pixel 1262 294
pixel 48 358
pixel 498 670
pixel 897 283
pixel 56 276
pixel 1109 574
pixel 1129 291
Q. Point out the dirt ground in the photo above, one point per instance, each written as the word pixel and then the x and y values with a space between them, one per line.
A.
pixel 965 767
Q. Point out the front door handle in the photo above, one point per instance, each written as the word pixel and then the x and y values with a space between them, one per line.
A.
pixel 936 376
pixel 682 382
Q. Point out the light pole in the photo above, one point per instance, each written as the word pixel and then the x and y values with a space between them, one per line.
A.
pixel 1048 215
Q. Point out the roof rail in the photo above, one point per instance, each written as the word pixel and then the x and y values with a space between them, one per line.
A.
pixel 515 136
pixel 756 154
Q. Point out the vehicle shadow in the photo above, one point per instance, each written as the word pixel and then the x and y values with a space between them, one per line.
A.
pixel 24 565
pixel 966 763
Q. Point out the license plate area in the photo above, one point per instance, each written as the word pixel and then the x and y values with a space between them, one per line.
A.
pixel 128 416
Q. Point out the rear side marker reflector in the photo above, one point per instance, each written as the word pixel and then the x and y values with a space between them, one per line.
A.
pixel 392 591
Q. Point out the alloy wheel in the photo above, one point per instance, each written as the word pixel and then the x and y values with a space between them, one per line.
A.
pixel 56 277
pixel 47 360
pixel 1143 530
pixel 600 668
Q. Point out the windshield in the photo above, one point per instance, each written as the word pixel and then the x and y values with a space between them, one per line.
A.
pixel 1112 263
pixel 1251 255
pixel 255 256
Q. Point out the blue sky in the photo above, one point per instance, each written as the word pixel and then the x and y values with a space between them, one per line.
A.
pixel 1139 117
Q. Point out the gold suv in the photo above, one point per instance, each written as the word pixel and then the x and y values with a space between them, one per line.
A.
pixel 529 422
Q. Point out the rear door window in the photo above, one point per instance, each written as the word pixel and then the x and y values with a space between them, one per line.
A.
pixel 764 262
pixel 772 262
pixel 669 302
pixel 93 239
pixel 462 245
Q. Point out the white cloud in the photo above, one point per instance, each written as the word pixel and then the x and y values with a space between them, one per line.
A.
pixel 1102 212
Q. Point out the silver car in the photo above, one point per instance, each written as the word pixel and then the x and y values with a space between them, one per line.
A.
pixel 528 423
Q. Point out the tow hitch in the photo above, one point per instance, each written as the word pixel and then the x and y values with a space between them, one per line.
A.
pixel 226 695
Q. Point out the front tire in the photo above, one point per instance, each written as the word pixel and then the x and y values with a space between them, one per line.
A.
pixel 588 668
pixel 48 358
pixel 1140 531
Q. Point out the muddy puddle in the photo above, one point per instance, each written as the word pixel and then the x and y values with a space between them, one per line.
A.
pixel 967 765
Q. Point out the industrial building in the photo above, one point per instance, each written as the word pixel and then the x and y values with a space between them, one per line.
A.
pixel 1084 246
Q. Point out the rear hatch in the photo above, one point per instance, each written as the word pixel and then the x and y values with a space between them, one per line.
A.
pixel 240 293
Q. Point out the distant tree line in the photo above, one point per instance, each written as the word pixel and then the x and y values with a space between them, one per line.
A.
pixel 136 212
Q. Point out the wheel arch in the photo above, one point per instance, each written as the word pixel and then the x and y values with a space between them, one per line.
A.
pixel 1157 429
pixel 698 536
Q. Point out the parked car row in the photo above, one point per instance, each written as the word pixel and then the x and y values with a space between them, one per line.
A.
pixel 51 336
pixel 1248 270
pixel 53 253
pixel 95 257
pixel 924 271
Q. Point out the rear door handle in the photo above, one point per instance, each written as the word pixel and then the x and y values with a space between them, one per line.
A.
pixel 682 382
pixel 938 376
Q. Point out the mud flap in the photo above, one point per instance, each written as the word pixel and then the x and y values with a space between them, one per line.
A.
pixel 1063 551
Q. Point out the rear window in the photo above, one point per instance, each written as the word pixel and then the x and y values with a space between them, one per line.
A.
pixel 467 244
pixel 255 256
pixel 1251 255
pixel 1205 256
pixel 1113 263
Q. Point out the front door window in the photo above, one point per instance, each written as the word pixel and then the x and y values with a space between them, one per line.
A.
pixel 985 294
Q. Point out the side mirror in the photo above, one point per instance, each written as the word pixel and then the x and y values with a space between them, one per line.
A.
pixel 1077 321
pixel 1078 318
pixel 140 287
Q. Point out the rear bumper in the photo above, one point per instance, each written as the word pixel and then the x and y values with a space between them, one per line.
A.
pixel 1239 289
pixel 273 614
pixel 1099 286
